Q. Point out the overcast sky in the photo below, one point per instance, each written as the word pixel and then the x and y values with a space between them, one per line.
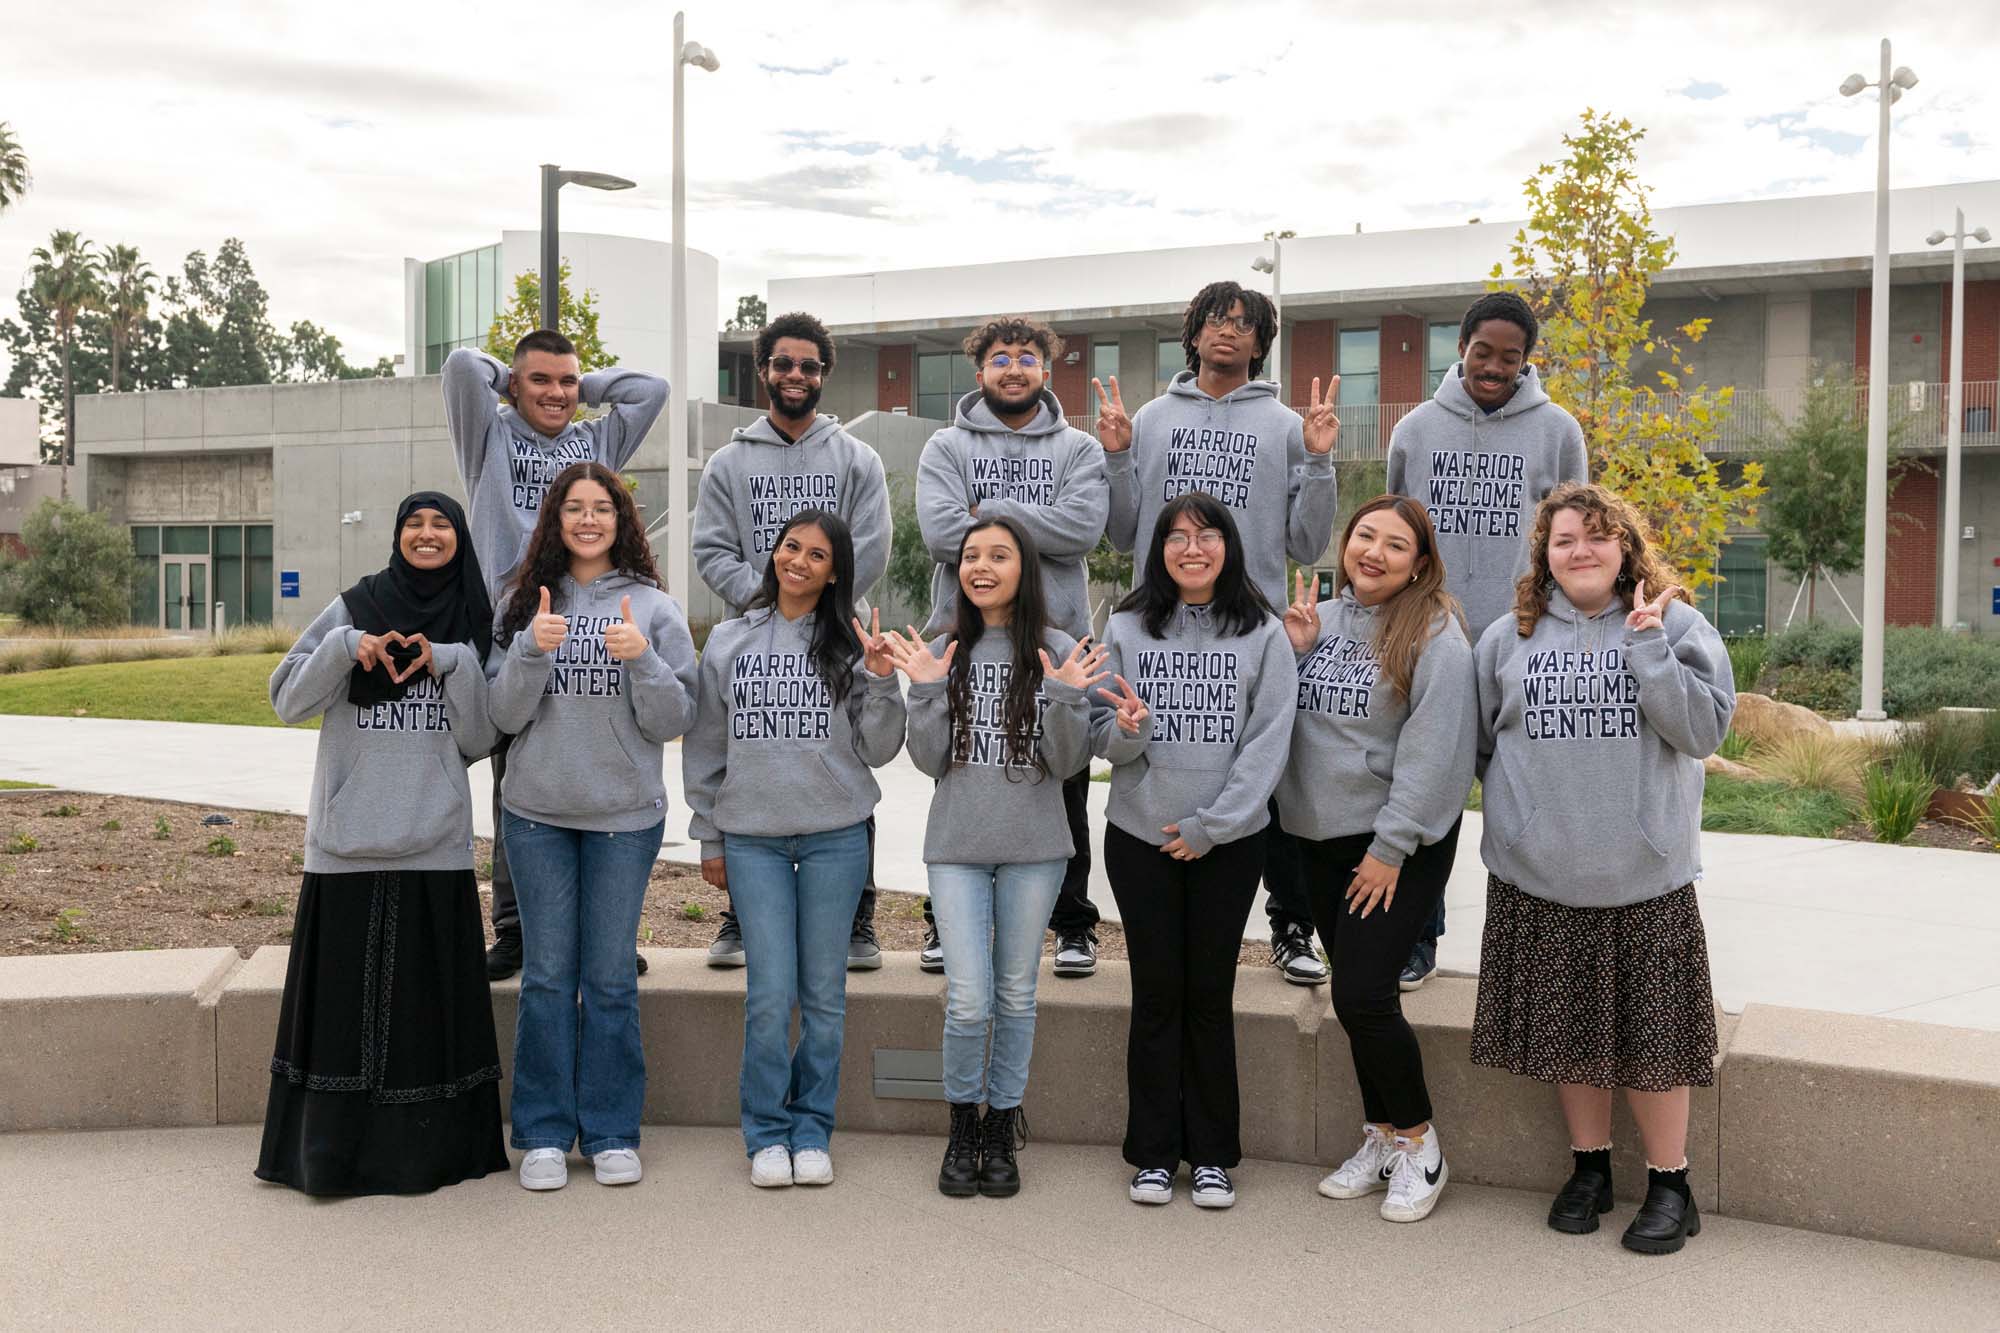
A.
pixel 336 139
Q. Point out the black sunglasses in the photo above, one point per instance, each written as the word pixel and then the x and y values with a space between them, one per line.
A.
pixel 784 365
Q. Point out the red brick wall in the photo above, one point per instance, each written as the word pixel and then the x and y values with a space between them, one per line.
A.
pixel 1070 381
pixel 1913 549
pixel 892 394
pixel 1402 370
pixel 1864 301
pixel 1312 354
pixel 1982 341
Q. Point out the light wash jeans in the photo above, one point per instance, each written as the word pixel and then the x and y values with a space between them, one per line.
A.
pixel 795 899
pixel 579 1068
pixel 990 919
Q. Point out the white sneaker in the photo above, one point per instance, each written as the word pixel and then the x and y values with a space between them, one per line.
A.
pixel 771 1167
pixel 1212 1188
pixel 1152 1185
pixel 1365 1172
pixel 544 1169
pixel 1416 1177
pixel 617 1166
pixel 812 1166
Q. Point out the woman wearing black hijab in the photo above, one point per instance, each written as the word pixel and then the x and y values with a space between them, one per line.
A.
pixel 386 1074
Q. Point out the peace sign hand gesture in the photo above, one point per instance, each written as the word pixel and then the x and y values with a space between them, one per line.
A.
pixel 1114 428
pixel 1079 669
pixel 1132 712
pixel 623 638
pixel 1647 615
pixel 1322 427
pixel 1302 618
pixel 875 656
pixel 548 629
pixel 914 659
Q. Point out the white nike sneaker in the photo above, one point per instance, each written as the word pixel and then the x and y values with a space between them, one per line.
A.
pixel 1416 1177
pixel 544 1169
pixel 771 1167
pixel 812 1166
pixel 1365 1172
pixel 617 1166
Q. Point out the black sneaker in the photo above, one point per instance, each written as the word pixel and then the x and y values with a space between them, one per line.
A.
pixel 1423 965
pixel 1076 953
pixel 864 951
pixel 1000 1133
pixel 503 960
pixel 931 957
pixel 958 1177
pixel 727 951
pixel 1292 954
pixel 640 961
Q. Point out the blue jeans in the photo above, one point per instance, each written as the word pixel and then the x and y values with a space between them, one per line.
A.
pixel 990 920
pixel 795 899
pixel 579 1068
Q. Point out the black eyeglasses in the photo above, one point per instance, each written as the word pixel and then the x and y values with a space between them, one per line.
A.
pixel 784 365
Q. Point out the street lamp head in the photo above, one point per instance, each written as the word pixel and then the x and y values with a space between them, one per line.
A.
pixel 598 180
pixel 1852 84
pixel 1981 235
pixel 1935 238
pixel 1262 264
pixel 1904 77
pixel 694 53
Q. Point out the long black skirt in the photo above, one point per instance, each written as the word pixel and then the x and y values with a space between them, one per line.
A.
pixel 386 1075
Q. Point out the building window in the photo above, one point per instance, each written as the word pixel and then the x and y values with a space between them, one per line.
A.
pixel 462 297
pixel 1103 363
pixel 1734 603
pixel 1441 353
pixel 227 563
pixel 942 379
pixel 226 573
pixel 1360 366
pixel 146 578
pixel 257 573
pixel 1173 360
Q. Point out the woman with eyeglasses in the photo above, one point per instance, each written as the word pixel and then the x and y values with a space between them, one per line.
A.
pixel 598 673
pixel 1198 647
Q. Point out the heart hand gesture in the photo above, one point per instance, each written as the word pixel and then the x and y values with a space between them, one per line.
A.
pixel 875 656
pixel 1114 427
pixel 623 638
pixel 548 629
pixel 1647 615
pixel 1302 618
pixel 1132 711
pixel 1322 427
pixel 370 650
pixel 1079 669
pixel 914 659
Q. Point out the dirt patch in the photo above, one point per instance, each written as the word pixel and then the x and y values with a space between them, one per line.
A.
pixel 1928 833
pixel 93 874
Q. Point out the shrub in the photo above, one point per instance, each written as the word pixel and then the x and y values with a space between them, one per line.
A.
pixel 1895 794
pixel 1947 748
pixel 21 844
pixel 1734 746
pixel 59 654
pixel 1923 668
pixel 1813 762
pixel 221 845
pixel 1822 689
pixel 1732 806
pixel 1746 660
pixel 78 571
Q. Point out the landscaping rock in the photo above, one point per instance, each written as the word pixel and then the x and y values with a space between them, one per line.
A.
pixel 1768 721
pixel 1715 765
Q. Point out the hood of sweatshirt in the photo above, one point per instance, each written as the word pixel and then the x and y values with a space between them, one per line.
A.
pixel 1528 395
pixel 764 431
pixel 972 413
pixel 1186 385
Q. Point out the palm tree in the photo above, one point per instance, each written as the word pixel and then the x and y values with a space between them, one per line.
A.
pixel 128 290
pixel 14 177
pixel 68 282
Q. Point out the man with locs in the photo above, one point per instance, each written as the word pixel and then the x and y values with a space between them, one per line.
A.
pixel 1220 428
pixel 513 428
pixel 790 459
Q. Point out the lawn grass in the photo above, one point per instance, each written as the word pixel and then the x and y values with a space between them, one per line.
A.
pixel 194 689
pixel 12 784
pixel 1732 805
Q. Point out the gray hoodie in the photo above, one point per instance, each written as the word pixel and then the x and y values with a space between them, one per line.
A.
pixel 1591 741
pixel 1220 727
pixel 757 481
pixel 985 811
pixel 769 754
pixel 1481 475
pixel 1246 449
pixel 388 788
pixel 1047 476
pixel 1366 758
pixel 588 729
pixel 506 464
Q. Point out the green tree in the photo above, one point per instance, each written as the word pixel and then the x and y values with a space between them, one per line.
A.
pixel 1585 262
pixel 14 176
pixel 311 354
pixel 68 280
pixel 751 314
pixel 576 317
pixel 128 294
pixel 910 563
pixel 78 569
pixel 219 329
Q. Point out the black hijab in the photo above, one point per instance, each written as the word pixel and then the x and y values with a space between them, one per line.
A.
pixel 445 605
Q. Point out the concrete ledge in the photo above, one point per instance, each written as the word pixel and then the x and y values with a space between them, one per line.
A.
pixel 110 1040
pixel 1864 1127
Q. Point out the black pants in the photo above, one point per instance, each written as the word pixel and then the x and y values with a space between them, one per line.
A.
pixel 1183 928
pixel 1366 956
pixel 1286 902
pixel 506 914
pixel 1074 913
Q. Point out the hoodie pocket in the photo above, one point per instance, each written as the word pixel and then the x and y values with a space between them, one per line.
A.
pixel 391 805
pixel 572 761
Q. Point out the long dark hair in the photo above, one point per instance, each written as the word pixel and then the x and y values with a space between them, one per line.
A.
pixel 834 646
pixel 1239 606
pixel 547 560
pixel 1024 633
pixel 1414 612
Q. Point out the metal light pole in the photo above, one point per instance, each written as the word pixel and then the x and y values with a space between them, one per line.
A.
pixel 681 467
pixel 1274 264
pixel 1875 554
pixel 1955 406
pixel 553 179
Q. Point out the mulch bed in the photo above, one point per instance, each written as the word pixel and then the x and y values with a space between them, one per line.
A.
pixel 1928 833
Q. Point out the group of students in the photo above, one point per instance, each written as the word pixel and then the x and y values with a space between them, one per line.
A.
pixel 1494 615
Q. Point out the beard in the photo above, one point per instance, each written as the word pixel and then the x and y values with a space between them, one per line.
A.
pixel 803 412
pixel 1001 406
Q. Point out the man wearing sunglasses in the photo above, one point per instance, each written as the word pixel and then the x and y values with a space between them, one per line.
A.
pixel 1010 453
pixel 1222 429
pixel 791 458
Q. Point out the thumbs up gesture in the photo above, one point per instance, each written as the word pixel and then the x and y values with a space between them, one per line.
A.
pixel 549 629
pixel 623 639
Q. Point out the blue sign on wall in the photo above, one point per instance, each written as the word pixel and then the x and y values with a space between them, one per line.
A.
pixel 1996 601
pixel 288 583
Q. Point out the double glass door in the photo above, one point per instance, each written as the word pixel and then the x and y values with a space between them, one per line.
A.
pixel 184 592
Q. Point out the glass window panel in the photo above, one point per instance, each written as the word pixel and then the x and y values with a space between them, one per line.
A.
pixel 468 293
pixel 1104 360
pixel 257 539
pixel 185 540
pixel 448 327
pixel 964 378
pixel 146 588
pixel 197 586
pixel 1359 388
pixel 489 288
pixel 434 300
pixel 725 387
pixel 228 540
pixel 1735 604
pixel 1443 346
pixel 936 406
pixel 1360 351
pixel 170 595
pixel 228 571
pixel 146 540
pixel 934 372
pixel 1172 361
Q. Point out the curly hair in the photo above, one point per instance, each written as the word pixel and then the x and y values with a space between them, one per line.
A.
pixel 1415 613
pixel 1215 299
pixel 1012 329
pixel 547 560
pixel 1500 305
pixel 798 324
pixel 1603 512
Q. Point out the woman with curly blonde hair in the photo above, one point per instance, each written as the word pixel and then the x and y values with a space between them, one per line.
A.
pixel 1598 700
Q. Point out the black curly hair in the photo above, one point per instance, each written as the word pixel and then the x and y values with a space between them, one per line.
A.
pixel 1500 305
pixel 797 324
pixel 1012 329
pixel 1215 299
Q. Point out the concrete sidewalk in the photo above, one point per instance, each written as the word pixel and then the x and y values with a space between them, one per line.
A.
pixel 1858 928
pixel 167 1229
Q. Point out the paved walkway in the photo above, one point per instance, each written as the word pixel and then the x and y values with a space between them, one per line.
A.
pixel 166 1229
pixel 1905 932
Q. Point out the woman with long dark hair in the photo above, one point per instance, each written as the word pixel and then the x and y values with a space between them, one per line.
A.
pixel 999 716
pixel 797 706
pixel 389 908
pixel 598 674
pixel 1184 839
pixel 1384 731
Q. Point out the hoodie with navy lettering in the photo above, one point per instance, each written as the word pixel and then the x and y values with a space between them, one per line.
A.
pixel 1220 727
pixel 1047 476
pixel 1248 450
pixel 1366 758
pixel 757 481
pixel 389 789
pixel 589 729
pixel 1591 742
pixel 771 754
pixel 506 464
pixel 1481 474
pixel 985 810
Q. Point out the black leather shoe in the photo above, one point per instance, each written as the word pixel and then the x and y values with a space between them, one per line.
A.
pixel 1583 1196
pixel 958 1177
pixel 503 960
pixel 642 963
pixel 999 1135
pixel 1664 1222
